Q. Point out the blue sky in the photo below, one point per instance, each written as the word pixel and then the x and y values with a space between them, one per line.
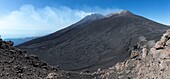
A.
pixel 24 18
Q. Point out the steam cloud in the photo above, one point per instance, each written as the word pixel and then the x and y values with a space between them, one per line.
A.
pixel 31 21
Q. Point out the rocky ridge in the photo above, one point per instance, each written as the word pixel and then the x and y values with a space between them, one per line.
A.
pixel 148 60
pixel 16 64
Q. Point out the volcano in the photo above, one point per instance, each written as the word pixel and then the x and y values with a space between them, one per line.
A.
pixel 94 42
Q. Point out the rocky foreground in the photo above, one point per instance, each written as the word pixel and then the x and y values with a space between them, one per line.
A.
pixel 16 64
pixel 148 60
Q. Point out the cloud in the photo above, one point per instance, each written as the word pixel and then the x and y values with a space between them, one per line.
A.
pixel 31 21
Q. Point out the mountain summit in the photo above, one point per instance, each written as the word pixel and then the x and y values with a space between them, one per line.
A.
pixel 93 17
pixel 90 18
pixel 93 44
pixel 123 12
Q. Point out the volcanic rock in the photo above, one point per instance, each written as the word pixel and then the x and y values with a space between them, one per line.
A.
pixel 16 64
pixel 147 68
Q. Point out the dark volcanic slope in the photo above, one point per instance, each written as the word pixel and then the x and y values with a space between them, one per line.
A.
pixel 96 44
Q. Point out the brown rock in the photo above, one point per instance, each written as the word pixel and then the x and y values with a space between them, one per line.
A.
pixel 152 50
pixel 168 32
pixel 165 54
pixel 10 43
pixel 134 53
pixel 163 65
pixel 158 45
pixel 168 43
pixel 155 53
pixel 119 66
pixel 164 39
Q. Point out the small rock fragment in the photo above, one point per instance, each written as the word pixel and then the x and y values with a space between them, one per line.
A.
pixel 52 75
pixel 144 52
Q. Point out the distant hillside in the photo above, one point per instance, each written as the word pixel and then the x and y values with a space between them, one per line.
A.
pixel 18 41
